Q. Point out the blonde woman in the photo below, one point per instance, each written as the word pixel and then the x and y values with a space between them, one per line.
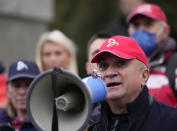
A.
pixel 55 49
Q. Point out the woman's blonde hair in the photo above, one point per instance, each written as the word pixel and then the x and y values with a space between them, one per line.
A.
pixel 11 109
pixel 60 38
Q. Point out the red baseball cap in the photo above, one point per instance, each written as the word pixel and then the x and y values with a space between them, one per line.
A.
pixel 123 47
pixel 150 10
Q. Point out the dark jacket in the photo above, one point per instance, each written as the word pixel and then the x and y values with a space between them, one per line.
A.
pixel 144 114
pixel 6 126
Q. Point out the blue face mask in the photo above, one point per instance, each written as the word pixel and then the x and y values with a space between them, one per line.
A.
pixel 146 40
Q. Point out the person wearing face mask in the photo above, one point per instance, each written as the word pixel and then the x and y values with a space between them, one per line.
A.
pixel 149 27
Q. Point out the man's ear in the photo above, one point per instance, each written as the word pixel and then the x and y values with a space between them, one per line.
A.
pixel 145 76
pixel 164 34
pixel 167 31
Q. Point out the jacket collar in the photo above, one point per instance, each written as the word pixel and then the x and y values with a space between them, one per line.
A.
pixel 137 108
pixel 140 105
pixel 5 119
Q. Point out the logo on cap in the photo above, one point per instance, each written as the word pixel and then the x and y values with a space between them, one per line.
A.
pixel 21 65
pixel 145 8
pixel 112 42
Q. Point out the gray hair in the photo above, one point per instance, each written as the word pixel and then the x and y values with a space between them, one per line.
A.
pixel 142 65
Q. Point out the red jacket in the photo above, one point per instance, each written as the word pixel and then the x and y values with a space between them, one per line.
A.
pixel 3 87
pixel 158 82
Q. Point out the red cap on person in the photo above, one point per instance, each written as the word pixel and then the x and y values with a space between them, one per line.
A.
pixel 123 47
pixel 150 10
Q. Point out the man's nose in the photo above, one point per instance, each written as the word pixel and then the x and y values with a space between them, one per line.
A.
pixel 142 26
pixel 110 73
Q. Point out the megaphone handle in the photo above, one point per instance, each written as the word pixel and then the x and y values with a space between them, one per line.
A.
pixel 55 116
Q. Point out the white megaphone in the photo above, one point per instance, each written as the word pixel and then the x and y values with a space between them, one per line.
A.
pixel 58 100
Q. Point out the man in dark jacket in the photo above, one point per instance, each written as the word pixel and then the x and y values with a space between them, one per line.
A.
pixel 128 107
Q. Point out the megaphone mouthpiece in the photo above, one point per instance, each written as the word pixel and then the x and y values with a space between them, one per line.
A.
pixel 68 101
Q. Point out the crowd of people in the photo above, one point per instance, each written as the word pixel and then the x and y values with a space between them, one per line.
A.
pixel 137 64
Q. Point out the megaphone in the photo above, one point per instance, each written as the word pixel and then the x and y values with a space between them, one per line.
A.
pixel 58 100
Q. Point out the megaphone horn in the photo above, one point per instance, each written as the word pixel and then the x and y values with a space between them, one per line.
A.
pixel 58 100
